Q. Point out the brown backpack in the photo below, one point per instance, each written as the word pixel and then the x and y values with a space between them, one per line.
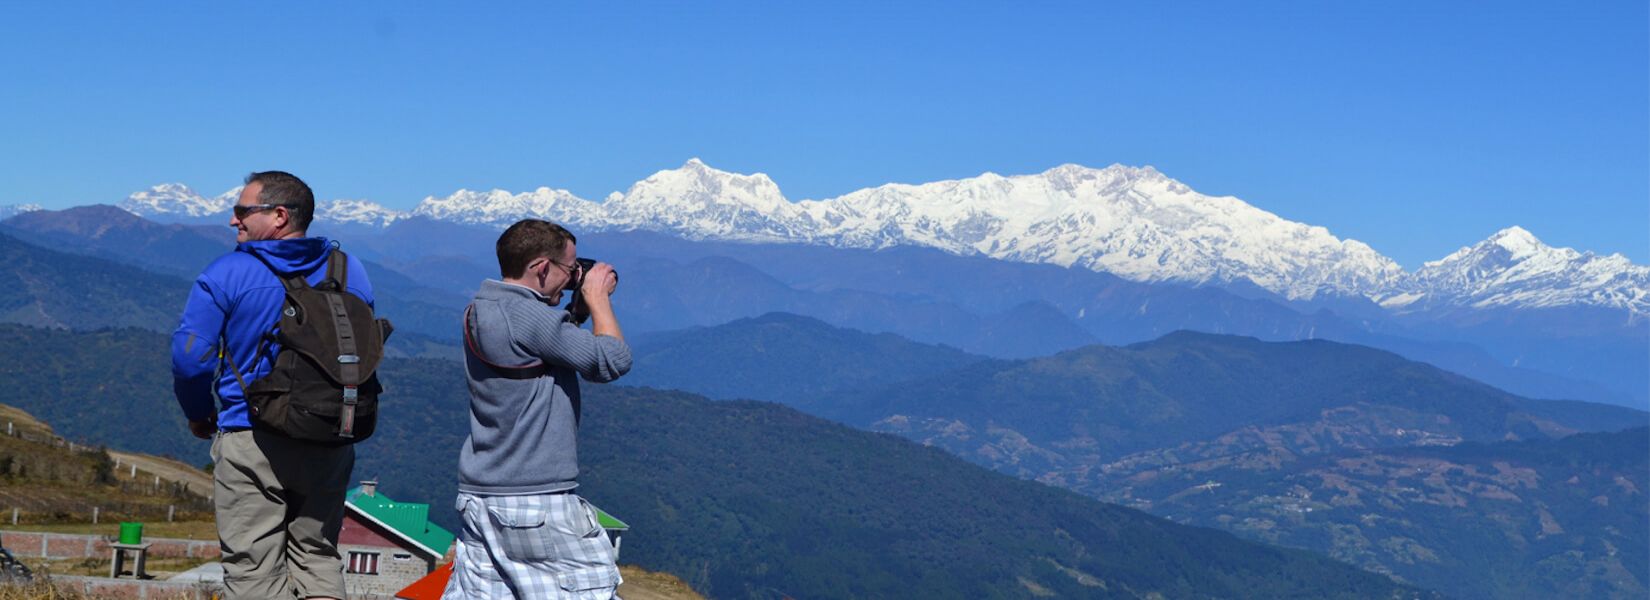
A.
pixel 323 387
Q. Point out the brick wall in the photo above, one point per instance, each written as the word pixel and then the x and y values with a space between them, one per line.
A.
pixel 30 544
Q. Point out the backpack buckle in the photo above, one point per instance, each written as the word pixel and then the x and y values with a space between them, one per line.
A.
pixel 346 420
pixel 348 359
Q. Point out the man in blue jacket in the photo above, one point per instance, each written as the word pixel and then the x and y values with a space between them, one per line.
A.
pixel 279 501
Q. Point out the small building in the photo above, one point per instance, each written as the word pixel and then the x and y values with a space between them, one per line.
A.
pixel 386 545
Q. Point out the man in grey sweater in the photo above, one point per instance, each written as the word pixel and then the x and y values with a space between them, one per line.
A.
pixel 526 534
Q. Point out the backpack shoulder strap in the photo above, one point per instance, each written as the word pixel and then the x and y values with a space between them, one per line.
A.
pixel 338 268
pixel 531 370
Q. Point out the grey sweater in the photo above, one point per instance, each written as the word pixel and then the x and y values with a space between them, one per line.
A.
pixel 524 422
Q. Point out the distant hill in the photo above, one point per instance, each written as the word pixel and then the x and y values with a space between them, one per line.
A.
pixel 1097 403
pixel 782 357
pixel 746 500
pixel 111 387
pixel 1535 519
pixel 45 288
pixel 111 233
pixel 1082 408
pixel 665 294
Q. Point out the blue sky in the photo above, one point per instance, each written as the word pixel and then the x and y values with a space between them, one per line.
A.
pixel 1417 127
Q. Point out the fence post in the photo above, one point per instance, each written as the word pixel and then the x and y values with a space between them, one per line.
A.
pixel 170 509
pixel 13 515
pixel 94 515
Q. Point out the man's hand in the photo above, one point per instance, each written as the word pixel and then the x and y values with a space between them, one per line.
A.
pixel 599 281
pixel 203 429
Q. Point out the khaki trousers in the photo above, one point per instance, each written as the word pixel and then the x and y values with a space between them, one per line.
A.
pixel 280 504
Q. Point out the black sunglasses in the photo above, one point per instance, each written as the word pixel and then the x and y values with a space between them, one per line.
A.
pixel 242 210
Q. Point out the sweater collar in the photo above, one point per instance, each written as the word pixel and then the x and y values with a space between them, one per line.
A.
pixel 493 289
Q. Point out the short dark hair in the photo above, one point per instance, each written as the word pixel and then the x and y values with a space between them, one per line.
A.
pixel 286 190
pixel 528 240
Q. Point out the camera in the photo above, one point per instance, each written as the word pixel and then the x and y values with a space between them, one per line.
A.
pixel 576 305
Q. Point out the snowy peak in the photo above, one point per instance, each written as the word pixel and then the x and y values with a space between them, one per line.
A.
pixel 356 212
pixel 500 208
pixel 8 211
pixel 1517 240
pixel 1514 268
pixel 697 185
pixel 172 201
pixel 1512 243
pixel 701 202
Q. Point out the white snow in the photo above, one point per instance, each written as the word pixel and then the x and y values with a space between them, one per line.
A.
pixel 8 211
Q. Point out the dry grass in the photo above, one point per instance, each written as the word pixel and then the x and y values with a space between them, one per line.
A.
pixel 648 585
pixel 40 589
pixel 22 422
pixel 45 589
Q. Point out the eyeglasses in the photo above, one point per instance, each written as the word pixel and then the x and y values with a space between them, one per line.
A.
pixel 572 270
pixel 242 210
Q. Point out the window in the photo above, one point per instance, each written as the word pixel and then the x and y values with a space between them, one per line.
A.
pixel 364 563
pixel 400 557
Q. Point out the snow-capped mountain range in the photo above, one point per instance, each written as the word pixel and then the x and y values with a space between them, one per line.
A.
pixel 1514 269
pixel 174 201
pixel 1133 222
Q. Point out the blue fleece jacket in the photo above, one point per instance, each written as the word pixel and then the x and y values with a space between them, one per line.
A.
pixel 233 303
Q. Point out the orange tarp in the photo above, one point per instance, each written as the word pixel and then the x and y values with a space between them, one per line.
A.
pixel 428 588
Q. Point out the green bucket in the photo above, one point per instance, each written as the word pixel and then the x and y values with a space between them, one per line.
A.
pixel 131 533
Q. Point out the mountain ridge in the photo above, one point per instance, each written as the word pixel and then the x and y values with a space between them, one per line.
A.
pixel 1134 222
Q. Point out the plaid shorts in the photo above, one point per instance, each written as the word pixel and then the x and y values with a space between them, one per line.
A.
pixel 543 546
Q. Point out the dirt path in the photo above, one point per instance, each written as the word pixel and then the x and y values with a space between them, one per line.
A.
pixel 199 482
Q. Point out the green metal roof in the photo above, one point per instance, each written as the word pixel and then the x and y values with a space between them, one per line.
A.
pixel 410 519
pixel 609 521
